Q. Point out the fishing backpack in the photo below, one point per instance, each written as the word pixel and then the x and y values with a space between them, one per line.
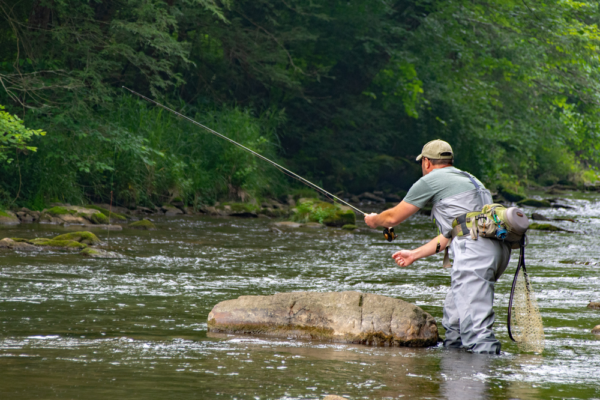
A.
pixel 494 221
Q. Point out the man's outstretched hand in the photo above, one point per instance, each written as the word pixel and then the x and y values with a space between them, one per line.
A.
pixel 370 220
pixel 404 257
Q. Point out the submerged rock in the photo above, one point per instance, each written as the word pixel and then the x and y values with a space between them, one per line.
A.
pixel 595 305
pixel 349 227
pixel 596 330
pixel 143 224
pixel 314 225
pixel 334 397
pixel 539 217
pixel 9 218
pixel 558 205
pixel 534 203
pixel 547 227
pixel 348 317
pixel 288 224
pixel 99 253
pixel 105 227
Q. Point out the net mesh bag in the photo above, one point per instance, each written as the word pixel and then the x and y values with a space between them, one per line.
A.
pixel 525 325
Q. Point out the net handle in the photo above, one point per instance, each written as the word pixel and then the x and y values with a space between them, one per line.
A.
pixel 514 284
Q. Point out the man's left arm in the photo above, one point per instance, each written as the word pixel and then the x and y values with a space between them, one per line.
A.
pixel 391 217
pixel 406 257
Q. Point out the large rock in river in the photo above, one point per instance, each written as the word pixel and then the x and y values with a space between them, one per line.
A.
pixel 349 317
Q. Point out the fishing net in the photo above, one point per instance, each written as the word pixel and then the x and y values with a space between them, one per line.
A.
pixel 525 325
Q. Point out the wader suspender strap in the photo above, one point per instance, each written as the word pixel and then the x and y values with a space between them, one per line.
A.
pixel 462 220
pixel 512 290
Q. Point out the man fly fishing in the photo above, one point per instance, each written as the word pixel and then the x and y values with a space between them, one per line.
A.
pixel 462 208
pixel 468 308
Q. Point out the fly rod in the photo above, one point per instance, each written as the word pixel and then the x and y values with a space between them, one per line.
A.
pixel 283 169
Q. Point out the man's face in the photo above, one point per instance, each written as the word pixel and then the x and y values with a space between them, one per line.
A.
pixel 424 163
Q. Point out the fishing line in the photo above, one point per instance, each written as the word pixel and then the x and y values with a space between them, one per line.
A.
pixel 281 168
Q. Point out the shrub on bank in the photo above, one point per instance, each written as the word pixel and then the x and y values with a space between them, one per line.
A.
pixel 313 210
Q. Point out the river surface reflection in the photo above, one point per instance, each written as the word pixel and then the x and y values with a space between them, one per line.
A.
pixel 135 328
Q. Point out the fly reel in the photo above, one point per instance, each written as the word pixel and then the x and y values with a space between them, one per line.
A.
pixel 389 234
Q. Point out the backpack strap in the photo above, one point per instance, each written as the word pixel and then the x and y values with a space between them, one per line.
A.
pixel 473 181
pixel 477 186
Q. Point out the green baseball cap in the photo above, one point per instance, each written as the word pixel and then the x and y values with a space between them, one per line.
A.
pixel 436 150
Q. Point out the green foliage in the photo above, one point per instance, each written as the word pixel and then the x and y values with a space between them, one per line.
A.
pixel 14 136
pixel 304 192
pixel 344 93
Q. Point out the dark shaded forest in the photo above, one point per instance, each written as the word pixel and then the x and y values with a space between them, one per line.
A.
pixel 344 93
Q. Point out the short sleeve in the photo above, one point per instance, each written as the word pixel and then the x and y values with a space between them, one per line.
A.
pixel 419 194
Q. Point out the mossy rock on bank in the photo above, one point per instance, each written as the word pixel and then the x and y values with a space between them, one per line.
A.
pixel 349 227
pixel 99 219
pixel 76 215
pixel 534 203
pixel 143 224
pixel 9 218
pixel 510 195
pixel 62 244
pixel 546 227
pixel 108 213
pixel 239 208
pixel 82 237
pixel 59 210
pixel 312 210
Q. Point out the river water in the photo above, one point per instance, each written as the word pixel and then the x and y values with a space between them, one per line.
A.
pixel 135 328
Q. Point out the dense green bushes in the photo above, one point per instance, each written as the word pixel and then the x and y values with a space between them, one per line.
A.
pixel 345 93
pixel 146 156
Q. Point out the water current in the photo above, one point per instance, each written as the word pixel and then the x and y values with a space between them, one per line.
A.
pixel 135 328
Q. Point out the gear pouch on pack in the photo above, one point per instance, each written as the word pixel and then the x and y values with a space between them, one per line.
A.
pixel 494 221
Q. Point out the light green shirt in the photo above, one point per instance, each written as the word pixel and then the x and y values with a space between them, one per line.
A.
pixel 439 184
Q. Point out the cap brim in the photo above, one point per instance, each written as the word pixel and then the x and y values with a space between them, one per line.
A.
pixel 419 157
